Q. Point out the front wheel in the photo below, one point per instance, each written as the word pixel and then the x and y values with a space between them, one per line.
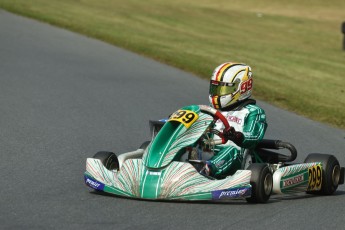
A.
pixel 108 159
pixel 331 172
pixel 261 181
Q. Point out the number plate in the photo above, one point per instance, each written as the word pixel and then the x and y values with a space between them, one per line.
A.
pixel 186 117
pixel 315 178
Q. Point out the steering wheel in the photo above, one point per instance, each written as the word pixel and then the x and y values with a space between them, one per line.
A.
pixel 217 116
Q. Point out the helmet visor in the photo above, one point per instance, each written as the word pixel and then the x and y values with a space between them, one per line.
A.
pixel 218 88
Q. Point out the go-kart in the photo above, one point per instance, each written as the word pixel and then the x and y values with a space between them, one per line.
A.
pixel 170 166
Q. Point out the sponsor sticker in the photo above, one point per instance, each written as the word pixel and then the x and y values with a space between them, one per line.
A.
pixel 94 184
pixel 293 180
pixel 231 193
pixel 234 119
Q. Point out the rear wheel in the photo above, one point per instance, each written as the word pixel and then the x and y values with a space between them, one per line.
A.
pixel 261 181
pixel 108 159
pixel 331 172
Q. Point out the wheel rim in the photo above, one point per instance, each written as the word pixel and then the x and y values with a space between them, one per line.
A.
pixel 336 175
pixel 268 184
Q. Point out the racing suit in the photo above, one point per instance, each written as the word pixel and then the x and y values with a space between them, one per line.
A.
pixel 250 120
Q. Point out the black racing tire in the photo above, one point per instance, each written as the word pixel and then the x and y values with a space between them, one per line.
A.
pixel 144 145
pixel 330 172
pixel 108 159
pixel 261 181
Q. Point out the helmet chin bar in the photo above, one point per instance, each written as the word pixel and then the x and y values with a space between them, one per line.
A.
pixel 219 116
pixel 222 102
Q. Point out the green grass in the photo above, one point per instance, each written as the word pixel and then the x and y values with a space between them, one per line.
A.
pixel 294 47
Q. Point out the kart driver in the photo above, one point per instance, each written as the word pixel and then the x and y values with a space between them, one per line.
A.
pixel 231 87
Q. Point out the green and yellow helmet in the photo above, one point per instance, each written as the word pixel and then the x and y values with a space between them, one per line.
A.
pixel 230 82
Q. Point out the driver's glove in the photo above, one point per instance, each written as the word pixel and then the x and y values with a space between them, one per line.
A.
pixel 206 170
pixel 234 136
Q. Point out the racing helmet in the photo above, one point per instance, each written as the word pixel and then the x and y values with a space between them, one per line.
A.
pixel 230 82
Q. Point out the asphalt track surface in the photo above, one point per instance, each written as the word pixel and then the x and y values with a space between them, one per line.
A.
pixel 64 97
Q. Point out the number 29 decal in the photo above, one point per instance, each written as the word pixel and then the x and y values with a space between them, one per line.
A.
pixel 186 117
pixel 315 178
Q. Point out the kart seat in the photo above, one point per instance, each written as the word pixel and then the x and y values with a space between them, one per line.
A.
pixel 275 157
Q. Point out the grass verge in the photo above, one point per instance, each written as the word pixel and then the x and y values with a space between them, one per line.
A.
pixel 293 47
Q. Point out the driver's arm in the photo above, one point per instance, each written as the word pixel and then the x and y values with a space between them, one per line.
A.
pixel 253 130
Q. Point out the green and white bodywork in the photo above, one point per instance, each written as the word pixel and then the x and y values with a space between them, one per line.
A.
pixel 158 174
pixel 157 171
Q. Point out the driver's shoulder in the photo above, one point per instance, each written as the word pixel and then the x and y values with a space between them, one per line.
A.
pixel 254 109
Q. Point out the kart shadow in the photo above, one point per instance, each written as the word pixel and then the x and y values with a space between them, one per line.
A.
pixel 301 195
pixel 273 199
pixel 225 202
